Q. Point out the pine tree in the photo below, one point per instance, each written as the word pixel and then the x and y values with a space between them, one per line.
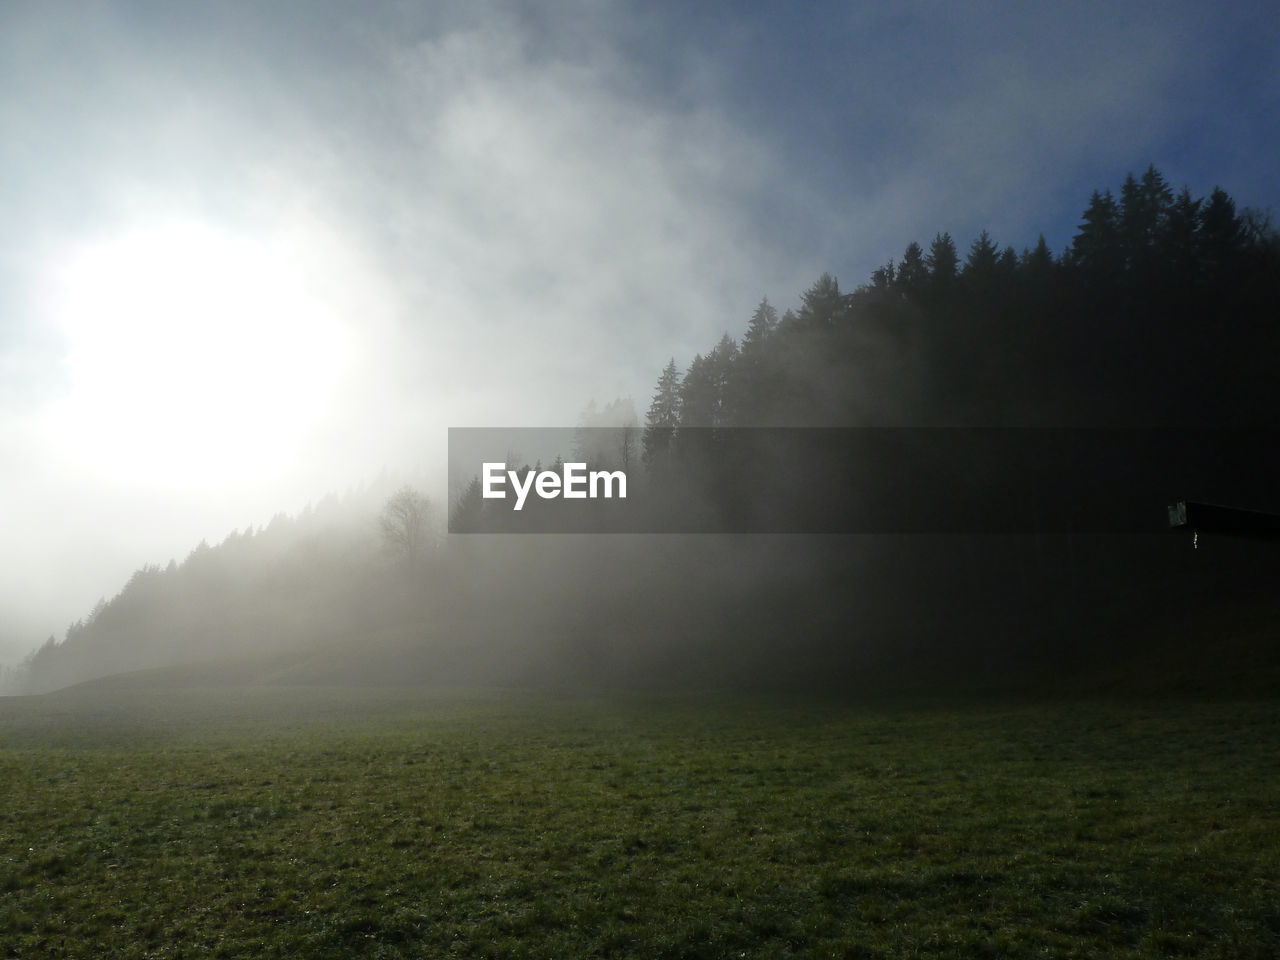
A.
pixel 1096 247
pixel 662 419
pixel 721 368
pixel 882 278
pixel 1144 208
pixel 1178 245
pixel 698 395
pixel 943 262
pixel 983 254
pixel 760 328
pixel 1007 264
pixel 912 273
pixel 1038 262
pixel 823 307
pixel 751 388
pixel 1222 236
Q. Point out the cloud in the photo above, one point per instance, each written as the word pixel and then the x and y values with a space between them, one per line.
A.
pixel 555 229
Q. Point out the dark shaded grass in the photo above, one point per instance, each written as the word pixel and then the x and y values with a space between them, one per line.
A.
pixel 389 823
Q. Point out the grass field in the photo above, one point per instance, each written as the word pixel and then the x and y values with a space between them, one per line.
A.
pixel 305 822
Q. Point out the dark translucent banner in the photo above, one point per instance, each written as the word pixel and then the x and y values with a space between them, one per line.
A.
pixel 851 480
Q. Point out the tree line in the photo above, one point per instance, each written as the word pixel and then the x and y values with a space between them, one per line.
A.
pixel 1161 312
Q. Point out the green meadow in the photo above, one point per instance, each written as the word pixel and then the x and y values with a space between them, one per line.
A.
pixel 310 822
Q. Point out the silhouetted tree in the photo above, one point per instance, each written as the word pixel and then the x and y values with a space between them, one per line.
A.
pixel 822 305
pixel 1007 263
pixel 882 278
pixel 662 419
pixel 1037 263
pixel 1222 236
pixel 982 270
pixel 760 329
pixel 913 275
pixel 942 262
pixel 721 367
pixel 1178 248
pixel 1096 246
pixel 699 397
pixel 1144 206
pixel 753 385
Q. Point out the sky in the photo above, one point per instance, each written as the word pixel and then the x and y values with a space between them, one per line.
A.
pixel 253 254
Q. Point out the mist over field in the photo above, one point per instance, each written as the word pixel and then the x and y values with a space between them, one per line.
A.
pixel 617 479
pixel 886 559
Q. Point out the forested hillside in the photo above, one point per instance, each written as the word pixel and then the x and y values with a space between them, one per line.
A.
pixel 1164 312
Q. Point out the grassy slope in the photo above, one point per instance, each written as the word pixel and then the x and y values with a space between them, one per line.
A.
pixel 313 822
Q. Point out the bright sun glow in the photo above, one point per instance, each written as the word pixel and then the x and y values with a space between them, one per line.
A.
pixel 195 359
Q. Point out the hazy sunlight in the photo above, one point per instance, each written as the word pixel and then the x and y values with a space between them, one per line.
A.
pixel 194 358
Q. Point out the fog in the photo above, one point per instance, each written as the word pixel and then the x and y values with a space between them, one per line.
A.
pixel 473 215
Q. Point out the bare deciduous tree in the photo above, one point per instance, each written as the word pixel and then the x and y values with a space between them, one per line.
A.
pixel 405 524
